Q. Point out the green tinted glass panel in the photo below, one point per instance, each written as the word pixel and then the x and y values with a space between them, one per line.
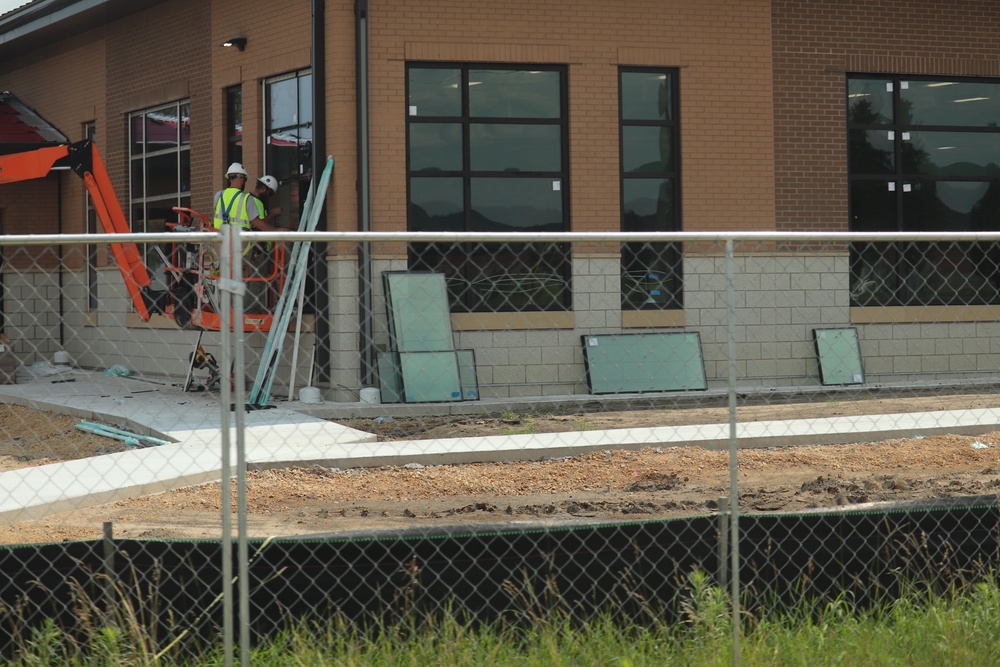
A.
pixel 513 147
pixel 873 206
pixel 952 153
pixel 871 151
pixel 648 205
pixel 430 377
pixel 436 205
pixel 417 308
pixel 869 101
pixel 510 93
pixel 943 102
pixel 958 206
pixel 839 356
pixel 467 374
pixel 435 147
pixel 517 204
pixel 390 379
pixel 627 363
pixel 647 149
pixel 646 96
pixel 434 92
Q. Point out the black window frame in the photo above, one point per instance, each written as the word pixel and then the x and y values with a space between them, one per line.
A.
pixel 494 277
pixel 652 273
pixel 142 202
pixel 900 189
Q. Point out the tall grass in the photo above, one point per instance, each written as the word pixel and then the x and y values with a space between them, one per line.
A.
pixel 958 627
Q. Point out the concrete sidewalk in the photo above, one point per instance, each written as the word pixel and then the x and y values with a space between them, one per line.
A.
pixel 284 436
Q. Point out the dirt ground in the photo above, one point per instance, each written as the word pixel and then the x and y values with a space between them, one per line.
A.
pixel 604 486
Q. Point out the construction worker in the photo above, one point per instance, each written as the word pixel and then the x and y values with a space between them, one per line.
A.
pixel 235 207
pixel 265 188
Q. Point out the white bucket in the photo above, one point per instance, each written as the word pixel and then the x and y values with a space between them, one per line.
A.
pixel 370 395
pixel 310 395
pixel 61 358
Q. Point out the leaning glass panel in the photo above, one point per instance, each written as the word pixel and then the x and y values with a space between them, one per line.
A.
pixel 952 154
pixel 647 149
pixel 436 205
pixel 515 147
pixel 869 101
pixel 511 93
pixel 516 204
pixel 646 96
pixel 435 147
pixel 434 92
pixel 955 103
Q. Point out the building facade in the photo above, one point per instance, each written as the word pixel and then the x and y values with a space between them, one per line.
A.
pixel 589 116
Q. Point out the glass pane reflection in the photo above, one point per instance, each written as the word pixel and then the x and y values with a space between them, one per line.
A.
pixel 436 204
pixel 514 94
pixel 435 146
pixel 516 204
pixel 510 147
pixel 958 103
pixel 435 92
pixel 648 205
pixel 647 149
pixel 646 96
pixel 869 102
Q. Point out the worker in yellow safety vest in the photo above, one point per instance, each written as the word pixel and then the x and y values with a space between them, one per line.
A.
pixel 235 207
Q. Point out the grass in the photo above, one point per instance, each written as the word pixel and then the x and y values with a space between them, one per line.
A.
pixel 959 628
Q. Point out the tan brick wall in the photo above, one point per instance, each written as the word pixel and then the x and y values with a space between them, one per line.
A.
pixel 816 44
pixel 721 47
pixel 156 56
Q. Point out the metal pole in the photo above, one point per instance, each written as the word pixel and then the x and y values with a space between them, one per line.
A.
pixel 723 577
pixel 239 406
pixel 225 401
pixel 109 568
pixel 734 495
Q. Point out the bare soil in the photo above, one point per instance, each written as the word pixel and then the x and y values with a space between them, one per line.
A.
pixel 610 485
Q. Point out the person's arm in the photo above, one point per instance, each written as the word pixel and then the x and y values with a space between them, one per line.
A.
pixel 263 224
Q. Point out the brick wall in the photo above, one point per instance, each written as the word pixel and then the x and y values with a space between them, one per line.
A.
pixel 156 56
pixel 721 47
pixel 816 44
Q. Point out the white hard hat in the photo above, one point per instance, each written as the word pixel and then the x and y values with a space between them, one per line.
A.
pixel 270 182
pixel 236 169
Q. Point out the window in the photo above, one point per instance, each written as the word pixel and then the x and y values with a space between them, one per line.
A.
pixel 90 132
pixel 487 152
pixel 234 125
pixel 923 155
pixel 159 175
pixel 651 272
pixel 288 140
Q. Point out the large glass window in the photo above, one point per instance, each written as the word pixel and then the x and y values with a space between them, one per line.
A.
pixel 159 174
pixel 486 152
pixel 923 155
pixel 288 140
pixel 650 181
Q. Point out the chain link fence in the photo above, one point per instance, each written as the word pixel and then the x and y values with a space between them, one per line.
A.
pixel 394 384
